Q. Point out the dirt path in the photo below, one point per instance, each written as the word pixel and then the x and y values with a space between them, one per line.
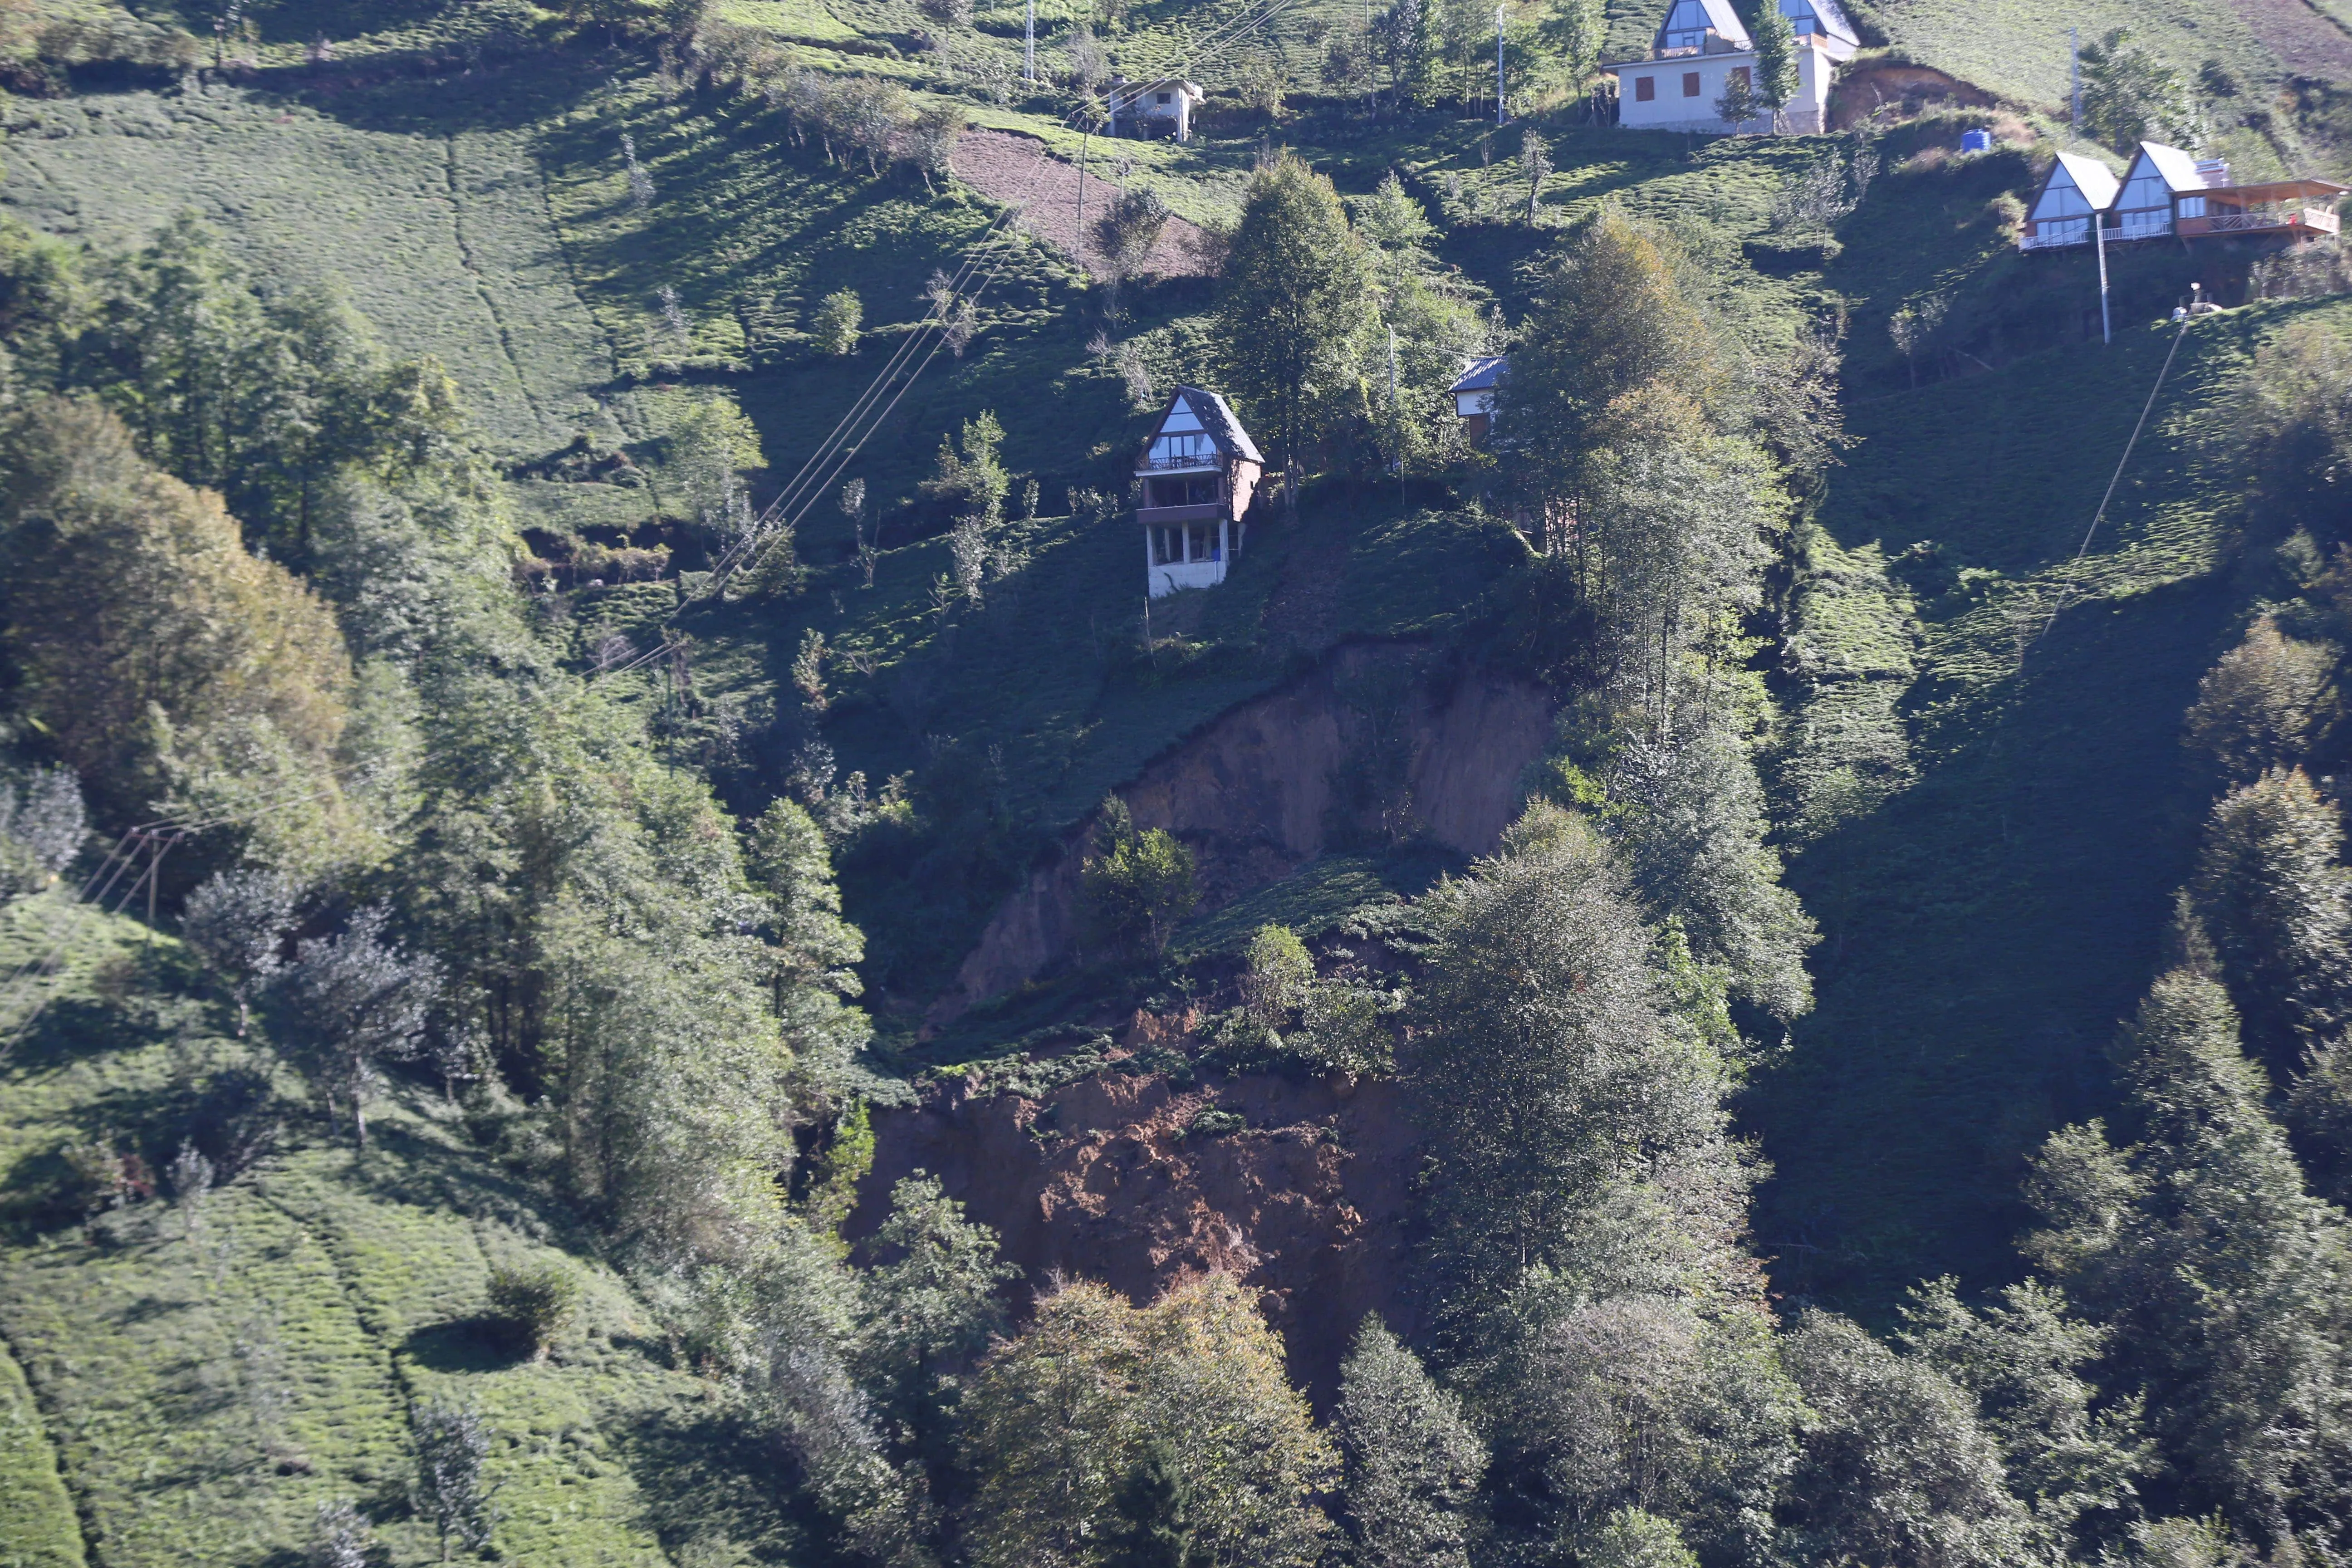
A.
pixel 1006 167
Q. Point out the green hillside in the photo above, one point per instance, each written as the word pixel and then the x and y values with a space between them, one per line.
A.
pixel 214 1372
pixel 682 864
pixel 1993 915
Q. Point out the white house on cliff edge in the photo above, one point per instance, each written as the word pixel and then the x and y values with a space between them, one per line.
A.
pixel 1702 46
pixel 1194 483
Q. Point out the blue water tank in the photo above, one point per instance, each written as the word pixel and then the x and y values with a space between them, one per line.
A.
pixel 1976 141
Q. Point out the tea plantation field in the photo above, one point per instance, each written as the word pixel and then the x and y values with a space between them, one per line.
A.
pixel 212 1372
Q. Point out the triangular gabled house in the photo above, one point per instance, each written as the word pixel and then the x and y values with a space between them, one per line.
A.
pixel 1689 22
pixel 2075 192
pixel 1825 23
pixel 1474 394
pixel 1195 481
pixel 2167 192
pixel 2159 177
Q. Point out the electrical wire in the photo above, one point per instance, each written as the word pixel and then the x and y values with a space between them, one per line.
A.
pixel 858 425
pixel 2117 478
pixel 839 449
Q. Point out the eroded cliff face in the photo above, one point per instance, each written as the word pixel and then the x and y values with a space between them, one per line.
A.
pixel 1374 742
pixel 1103 1179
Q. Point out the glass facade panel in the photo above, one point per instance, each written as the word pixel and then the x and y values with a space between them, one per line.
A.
pixel 1175 451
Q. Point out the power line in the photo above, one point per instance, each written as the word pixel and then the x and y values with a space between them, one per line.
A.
pixel 834 454
pixel 857 425
pixel 2117 478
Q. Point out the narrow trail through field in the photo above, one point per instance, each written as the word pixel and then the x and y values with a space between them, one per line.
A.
pixel 1002 165
pixel 482 285
pixel 33 1470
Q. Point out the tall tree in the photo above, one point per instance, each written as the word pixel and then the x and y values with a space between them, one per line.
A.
pixel 1412 1462
pixel 1433 322
pixel 1897 1467
pixel 2291 421
pixel 1776 60
pixel 131 596
pixel 1296 308
pixel 2261 705
pixel 1585 1277
pixel 1575 32
pixel 236 922
pixel 2219 1277
pixel 43 825
pixel 2070 1456
pixel 1060 1422
pixel 1693 828
pixel 930 1296
pixel 1613 358
pixel 2274 897
pixel 2130 96
pixel 1543 1063
pixel 348 1004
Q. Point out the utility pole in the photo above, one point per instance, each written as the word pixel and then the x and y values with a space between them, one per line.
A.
pixel 2099 237
pixel 2075 68
pixel 1029 48
pixel 1498 65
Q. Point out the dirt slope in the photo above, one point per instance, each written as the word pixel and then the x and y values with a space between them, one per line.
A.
pixel 1018 170
pixel 1102 1179
pixel 1376 731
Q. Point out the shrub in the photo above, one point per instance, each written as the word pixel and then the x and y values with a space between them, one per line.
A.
pixel 1344 1029
pixel 1280 970
pixel 1141 885
pixel 838 316
pixel 1215 1123
pixel 533 1304
pixel 42 826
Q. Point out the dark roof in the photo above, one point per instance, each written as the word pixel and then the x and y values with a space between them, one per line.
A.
pixel 1484 371
pixel 1690 15
pixel 1216 419
pixel 1834 19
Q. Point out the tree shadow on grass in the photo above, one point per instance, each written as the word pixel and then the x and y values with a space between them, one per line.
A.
pixel 710 1473
pixel 401 1166
pixel 475 1344
pixel 389 93
pixel 1985 930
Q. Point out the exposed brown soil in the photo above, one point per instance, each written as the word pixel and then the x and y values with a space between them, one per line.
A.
pixel 1018 170
pixel 1103 1180
pixel 1860 92
pixel 1256 795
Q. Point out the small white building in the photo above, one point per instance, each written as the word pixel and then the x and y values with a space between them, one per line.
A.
pixel 1702 48
pixel 1162 108
pixel 1474 394
pixel 2075 191
pixel 1194 482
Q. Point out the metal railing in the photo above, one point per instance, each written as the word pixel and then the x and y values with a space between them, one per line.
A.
pixel 2316 219
pixel 2054 241
pixel 1207 460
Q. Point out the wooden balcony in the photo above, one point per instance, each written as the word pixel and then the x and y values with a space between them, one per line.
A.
pixel 1197 511
pixel 2262 220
